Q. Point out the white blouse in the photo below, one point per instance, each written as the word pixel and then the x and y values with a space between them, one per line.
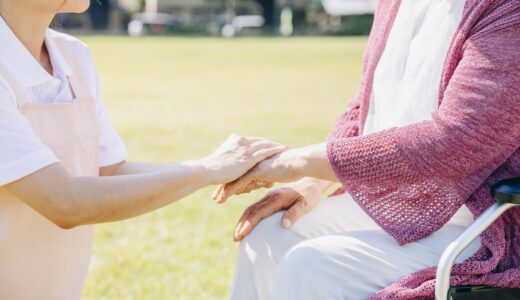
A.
pixel 407 78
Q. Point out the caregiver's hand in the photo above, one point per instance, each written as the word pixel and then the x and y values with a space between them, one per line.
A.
pixel 289 166
pixel 297 198
pixel 236 156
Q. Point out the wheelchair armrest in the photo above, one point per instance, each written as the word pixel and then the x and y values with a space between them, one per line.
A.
pixel 454 249
pixel 507 191
pixel 507 195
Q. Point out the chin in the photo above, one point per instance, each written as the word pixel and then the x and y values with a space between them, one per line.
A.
pixel 75 6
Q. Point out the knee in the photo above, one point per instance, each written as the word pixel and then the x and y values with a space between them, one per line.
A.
pixel 301 264
pixel 329 267
pixel 319 257
pixel 258 243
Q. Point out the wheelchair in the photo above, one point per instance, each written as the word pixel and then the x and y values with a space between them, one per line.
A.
pixel 507 195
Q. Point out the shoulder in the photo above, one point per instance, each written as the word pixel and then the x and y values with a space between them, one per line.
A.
pixel 487 17
pixel 497 49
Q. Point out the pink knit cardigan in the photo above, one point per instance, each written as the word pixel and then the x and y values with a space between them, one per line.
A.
pixel 411 180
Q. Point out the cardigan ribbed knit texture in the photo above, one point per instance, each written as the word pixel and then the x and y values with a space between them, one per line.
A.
pixel 411 180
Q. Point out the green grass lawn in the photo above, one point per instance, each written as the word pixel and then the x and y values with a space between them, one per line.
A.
pixel 177 99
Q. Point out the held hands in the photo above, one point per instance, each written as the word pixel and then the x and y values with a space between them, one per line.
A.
pixel 298 166
pixel 283 167
pixel 288 166
pixel 236 156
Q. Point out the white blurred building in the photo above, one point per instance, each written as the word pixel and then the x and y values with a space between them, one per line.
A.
pixel 332 7
pixel 213 14
pixel 349 7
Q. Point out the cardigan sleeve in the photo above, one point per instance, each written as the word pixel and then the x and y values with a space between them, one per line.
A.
pixel 412 179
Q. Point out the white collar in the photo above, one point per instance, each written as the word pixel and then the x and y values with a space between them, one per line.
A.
pixel 22 66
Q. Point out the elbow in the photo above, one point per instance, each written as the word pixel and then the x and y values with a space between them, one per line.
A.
pixel 68 209
pixel 65 221
pixel 63 200
pixel 66 224
pixel 67 216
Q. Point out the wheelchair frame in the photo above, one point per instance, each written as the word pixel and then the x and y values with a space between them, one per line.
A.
pixel 507 195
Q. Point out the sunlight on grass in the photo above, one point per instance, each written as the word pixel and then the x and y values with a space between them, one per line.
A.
pixel 178 98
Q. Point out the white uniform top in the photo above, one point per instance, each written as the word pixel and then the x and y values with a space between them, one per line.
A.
pixel 407 78
pixel 21 151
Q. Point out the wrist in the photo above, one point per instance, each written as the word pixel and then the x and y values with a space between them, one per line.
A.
pixel 201 171
pixel 290 165
pixel 312 160
pixel 315 184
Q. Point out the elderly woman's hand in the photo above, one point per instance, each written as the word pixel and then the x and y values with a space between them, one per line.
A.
pixel 288 166
pixel 297 198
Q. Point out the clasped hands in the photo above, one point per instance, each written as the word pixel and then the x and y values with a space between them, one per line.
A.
pixel 305 171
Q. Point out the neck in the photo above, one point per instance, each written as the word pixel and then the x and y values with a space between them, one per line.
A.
pixel 29 22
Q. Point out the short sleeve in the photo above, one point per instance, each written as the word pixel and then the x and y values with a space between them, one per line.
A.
pixel 21 151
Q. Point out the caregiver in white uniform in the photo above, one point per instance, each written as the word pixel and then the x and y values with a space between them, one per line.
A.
pixel 360 257
pixel 62 163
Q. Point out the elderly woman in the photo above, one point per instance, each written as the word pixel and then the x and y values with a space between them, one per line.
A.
pixel 435 124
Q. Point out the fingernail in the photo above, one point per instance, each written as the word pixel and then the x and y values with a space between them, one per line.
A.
pixel 244 228
pixel 286 223
pixel 237 231
pixel 217 192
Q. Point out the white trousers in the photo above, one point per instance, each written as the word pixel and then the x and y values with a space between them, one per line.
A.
pixel 334 252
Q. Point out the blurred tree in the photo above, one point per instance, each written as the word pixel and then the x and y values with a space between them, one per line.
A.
pixel 356 25
pixel 99 13
pixel 268 7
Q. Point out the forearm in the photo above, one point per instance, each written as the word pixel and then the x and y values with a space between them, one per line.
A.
pixel 74 201
pixel 126 196
pixel 130 168
pixel 315 163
